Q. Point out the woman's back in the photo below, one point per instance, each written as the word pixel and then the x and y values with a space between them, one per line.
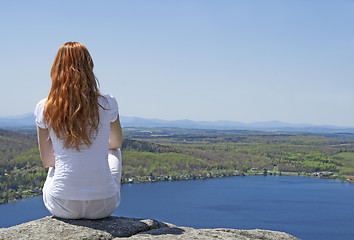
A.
pixel 83 174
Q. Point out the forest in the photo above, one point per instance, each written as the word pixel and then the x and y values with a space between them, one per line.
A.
pixel 166 154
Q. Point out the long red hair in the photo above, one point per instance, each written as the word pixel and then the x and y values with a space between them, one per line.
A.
pixel 72 108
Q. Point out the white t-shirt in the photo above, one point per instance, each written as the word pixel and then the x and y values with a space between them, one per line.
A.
pixel 83 174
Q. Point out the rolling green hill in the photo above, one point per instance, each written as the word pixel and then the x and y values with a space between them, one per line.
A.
pixel 21 174
pixel 175 154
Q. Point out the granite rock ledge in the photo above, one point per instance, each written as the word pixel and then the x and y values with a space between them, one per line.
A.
pixel 126 228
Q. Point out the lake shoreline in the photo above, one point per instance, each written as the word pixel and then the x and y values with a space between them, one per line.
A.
pixel 249 173
pixel 255 173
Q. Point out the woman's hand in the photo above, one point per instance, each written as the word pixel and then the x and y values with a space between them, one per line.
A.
pixel 45 148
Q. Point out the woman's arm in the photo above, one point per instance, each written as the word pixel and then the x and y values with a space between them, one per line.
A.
pixel 115 135
pixel 45 147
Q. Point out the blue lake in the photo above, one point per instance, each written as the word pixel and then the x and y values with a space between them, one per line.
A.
pixel 308 208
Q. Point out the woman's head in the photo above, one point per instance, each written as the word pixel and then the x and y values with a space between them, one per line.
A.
pixel 72 104
pixel 71 57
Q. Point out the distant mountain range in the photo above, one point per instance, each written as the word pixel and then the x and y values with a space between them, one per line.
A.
pixel 27 120
pixel 232 125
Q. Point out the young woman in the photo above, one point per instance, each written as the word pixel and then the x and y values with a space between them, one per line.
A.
pixel 79 138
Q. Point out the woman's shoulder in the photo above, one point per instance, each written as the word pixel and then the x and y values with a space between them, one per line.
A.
pixel 108 101
pixel 41 102
pixel 108 97
pixel 38 113
pixel 40 105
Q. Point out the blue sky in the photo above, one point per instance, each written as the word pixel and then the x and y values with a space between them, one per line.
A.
pixel 239 60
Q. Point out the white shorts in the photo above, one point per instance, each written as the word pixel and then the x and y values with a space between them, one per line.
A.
pixel 89 209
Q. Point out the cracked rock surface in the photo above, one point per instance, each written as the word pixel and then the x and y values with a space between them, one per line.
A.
pixel 126 228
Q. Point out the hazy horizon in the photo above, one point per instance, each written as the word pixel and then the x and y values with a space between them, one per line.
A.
pixel 203 121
